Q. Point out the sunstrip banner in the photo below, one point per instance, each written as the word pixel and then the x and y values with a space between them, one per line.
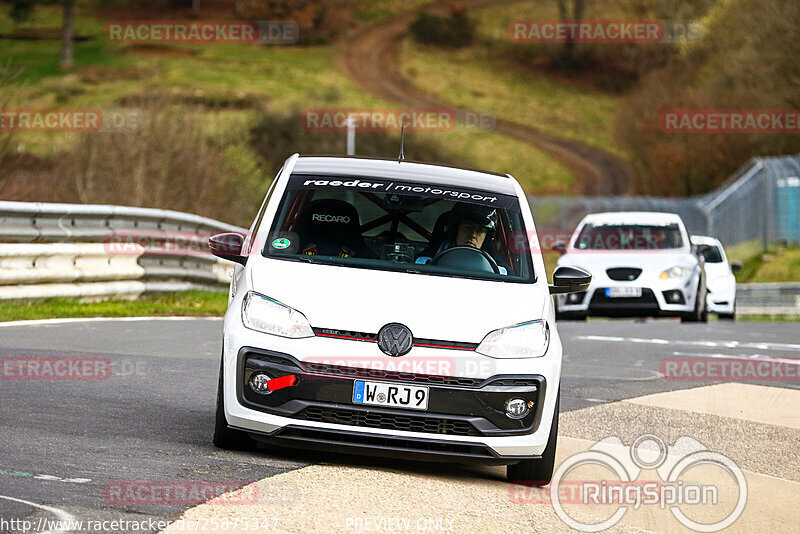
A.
pixel 386 185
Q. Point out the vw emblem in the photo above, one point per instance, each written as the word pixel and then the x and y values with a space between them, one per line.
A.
pixel 395 339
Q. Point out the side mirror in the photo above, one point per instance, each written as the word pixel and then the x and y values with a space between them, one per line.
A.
pixel 736 266
pixel 701 250
pixel 560 247
pixel 570 280
pixel 228 246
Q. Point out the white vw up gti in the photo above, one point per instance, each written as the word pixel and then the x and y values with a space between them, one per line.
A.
pixel 393 308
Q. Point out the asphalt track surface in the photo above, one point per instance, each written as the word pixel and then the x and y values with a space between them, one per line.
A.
pixel 63 442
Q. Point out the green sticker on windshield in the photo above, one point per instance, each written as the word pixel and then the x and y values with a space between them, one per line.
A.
pixel 281 243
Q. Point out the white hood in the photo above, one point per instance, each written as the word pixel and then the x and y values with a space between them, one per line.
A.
pixel 649 261
pixel 433 307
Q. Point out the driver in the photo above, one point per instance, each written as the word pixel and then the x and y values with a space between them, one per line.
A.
pixel 469 225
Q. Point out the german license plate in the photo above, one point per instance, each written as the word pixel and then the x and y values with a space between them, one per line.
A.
pixel 395 395
pixel 623 292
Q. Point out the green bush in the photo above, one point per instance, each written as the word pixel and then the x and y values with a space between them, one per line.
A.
pixel 275 137
pixel 453 31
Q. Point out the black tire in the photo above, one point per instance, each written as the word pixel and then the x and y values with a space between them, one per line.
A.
pixel 225 437
pixel 538 472
pixel 728 316
pixel 700 313
pixel 570 316
pixel 704 313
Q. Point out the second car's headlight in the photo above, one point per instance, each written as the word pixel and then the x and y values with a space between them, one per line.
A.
pixel 526 340
pixel 676 272
pixel 270 316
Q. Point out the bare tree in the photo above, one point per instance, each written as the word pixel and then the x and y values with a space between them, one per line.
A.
pixel 21 9
pixel 9 87
pixel 575 15
pixel 66 34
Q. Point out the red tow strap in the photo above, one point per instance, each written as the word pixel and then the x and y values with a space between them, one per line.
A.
pixel 281 382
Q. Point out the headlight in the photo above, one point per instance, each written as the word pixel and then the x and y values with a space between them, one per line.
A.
pixel 676 272
pixel 526 340
pixel 270 316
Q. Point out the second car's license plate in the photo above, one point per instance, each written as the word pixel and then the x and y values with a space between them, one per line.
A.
pixel 621 292
pixel 396 395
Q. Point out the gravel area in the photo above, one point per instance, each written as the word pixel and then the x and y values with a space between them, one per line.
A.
pixel 767 449
pixel 361 495
pixel 338 498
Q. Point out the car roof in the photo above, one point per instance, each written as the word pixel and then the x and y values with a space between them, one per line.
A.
pixel 633 217
pixel 704 240
pixel 407 171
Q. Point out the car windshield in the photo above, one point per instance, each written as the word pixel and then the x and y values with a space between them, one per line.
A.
pixel 628 237
pixel 712 255
pixel 375 223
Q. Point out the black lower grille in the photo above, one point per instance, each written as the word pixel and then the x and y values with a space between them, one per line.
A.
pixel 646 300
pixel 389 444
pixel 371 419
pixel 623 274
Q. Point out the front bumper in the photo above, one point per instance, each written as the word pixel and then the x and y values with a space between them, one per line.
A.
pixel 660 298
pixel 323 393
pixel 465 417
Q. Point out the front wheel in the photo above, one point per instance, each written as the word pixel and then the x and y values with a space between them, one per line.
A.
pixel 700 312
pixel 728 316
pixel 538 472
pixel 225 437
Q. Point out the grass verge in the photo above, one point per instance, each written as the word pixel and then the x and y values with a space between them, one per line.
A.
pixel 228 86
pixel 197 303
pixel 777 264
pixel 472 78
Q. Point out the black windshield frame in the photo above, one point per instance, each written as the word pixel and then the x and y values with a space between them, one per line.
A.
pixel 510 215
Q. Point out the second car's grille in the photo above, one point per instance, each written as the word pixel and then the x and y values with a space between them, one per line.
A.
pixel 410 423
pixel 623 274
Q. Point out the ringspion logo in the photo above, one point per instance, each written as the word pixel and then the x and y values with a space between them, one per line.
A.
pixel 690 478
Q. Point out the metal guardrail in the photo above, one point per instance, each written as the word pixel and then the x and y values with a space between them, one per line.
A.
pixel 761 201
pixel 768 299
pixel 101 250
pixel 93 251
pixel 35 222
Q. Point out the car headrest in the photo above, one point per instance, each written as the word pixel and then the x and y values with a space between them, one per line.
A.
pixel 329 221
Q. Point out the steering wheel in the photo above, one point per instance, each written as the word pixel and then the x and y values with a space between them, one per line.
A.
pixel 467 258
